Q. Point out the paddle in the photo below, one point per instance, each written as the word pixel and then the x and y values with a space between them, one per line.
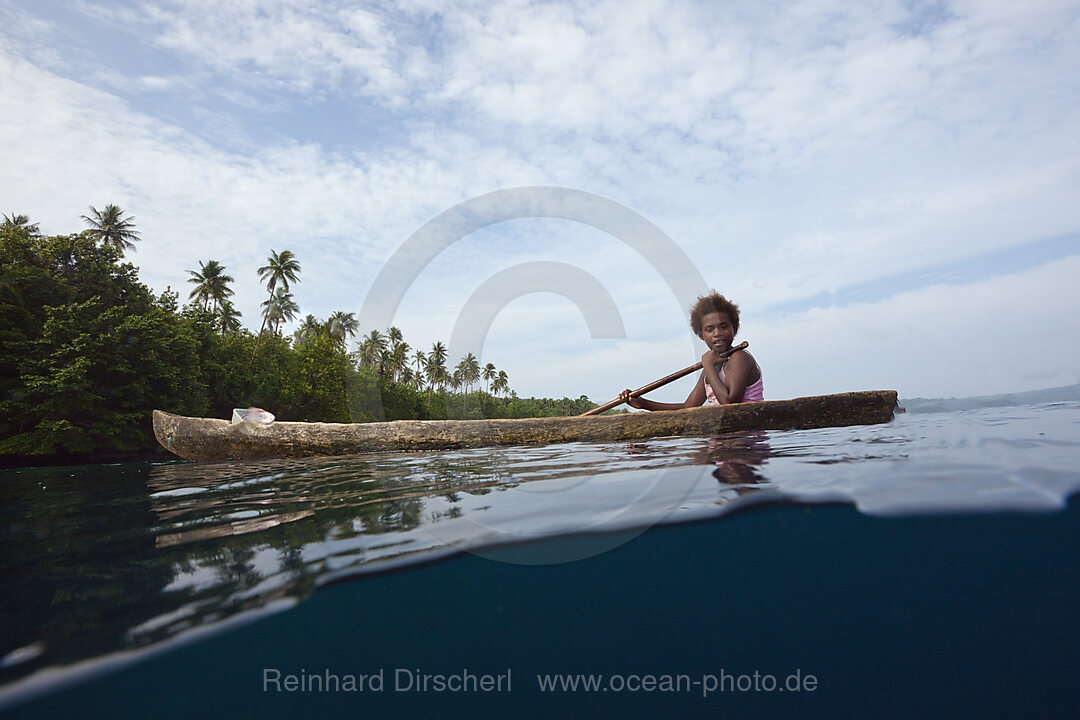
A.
pixel 662 381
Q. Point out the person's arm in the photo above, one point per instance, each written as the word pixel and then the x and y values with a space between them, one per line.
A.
pixel 696 398
pixel 736 371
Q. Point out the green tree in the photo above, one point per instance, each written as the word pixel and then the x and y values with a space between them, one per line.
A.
pixel 98 350
pixel 457 382
pixel 470 371
pixel 27 284
pixel 15 222
pixel 501 386
pixel 371 349
pixel 318 390
pixel 435 368
pixel 419 361
pixel 341 326
pixel 280 309
pixel 394 336
pixel 228 318
pixel 280 269
pixel 310 328
pixel 396 356
pixel 110 227
pixel 211 284
pixel 364 399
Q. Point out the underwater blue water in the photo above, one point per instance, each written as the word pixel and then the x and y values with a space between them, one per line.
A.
pixel 926 566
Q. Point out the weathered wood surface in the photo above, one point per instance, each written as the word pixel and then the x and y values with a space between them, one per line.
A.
pixel 210 440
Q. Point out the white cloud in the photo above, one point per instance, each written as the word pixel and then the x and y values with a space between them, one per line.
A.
pixel 1008 333
pixel 303 46
pixel 70 146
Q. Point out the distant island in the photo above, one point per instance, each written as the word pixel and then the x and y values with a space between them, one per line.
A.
pixel 1031 397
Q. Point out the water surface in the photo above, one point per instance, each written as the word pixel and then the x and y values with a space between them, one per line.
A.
pixel 100 564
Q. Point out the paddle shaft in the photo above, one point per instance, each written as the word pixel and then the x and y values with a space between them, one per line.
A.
pixel 662 381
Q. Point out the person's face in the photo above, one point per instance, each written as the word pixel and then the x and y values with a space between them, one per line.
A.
pixel 717 331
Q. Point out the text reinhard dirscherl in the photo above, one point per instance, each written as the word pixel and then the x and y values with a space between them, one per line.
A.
pixel 415 680
pixel 400 680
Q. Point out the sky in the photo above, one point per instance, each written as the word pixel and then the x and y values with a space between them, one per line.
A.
pixel 890 191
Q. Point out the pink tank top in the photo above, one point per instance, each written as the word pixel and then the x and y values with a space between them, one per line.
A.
pixel 753 393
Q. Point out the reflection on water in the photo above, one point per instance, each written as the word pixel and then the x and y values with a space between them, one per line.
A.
pixel 98 559
pixel 740 459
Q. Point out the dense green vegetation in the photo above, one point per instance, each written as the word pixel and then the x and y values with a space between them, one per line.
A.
pixel 87 351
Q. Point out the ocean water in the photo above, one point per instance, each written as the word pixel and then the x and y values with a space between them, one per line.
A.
pixel 925 566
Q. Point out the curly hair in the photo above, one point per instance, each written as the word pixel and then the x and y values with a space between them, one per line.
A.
pixel 713 303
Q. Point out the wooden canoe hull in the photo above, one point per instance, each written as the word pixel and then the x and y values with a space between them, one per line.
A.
pixel 212 440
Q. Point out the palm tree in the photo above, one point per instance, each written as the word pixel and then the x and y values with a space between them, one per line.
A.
pixel 280 268
pixel 228 318
pixel 419 360
pixel 220 291
pixel 398 353
pixel 437 357
pixel 371 348
pixel 435 367
pixel 457 380
pixel 310 327
pixel 20 222
pixel 490 374
pixel 502 383
pixel 366 354
pixel 340 326
pixel 112 228
pixel 202 280
pixel 384 363
pixel 470 371
pixel 280 308
pixel 399 359
pixel 463 378
pixel 394 336
pixel 210 284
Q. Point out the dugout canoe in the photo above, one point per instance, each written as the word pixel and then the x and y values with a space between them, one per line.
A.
pixel 212 440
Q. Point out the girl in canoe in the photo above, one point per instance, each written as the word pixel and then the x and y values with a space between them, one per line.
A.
pixel 715 319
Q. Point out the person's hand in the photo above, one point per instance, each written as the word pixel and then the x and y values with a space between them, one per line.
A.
pixel 631 401
pixel 711 357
